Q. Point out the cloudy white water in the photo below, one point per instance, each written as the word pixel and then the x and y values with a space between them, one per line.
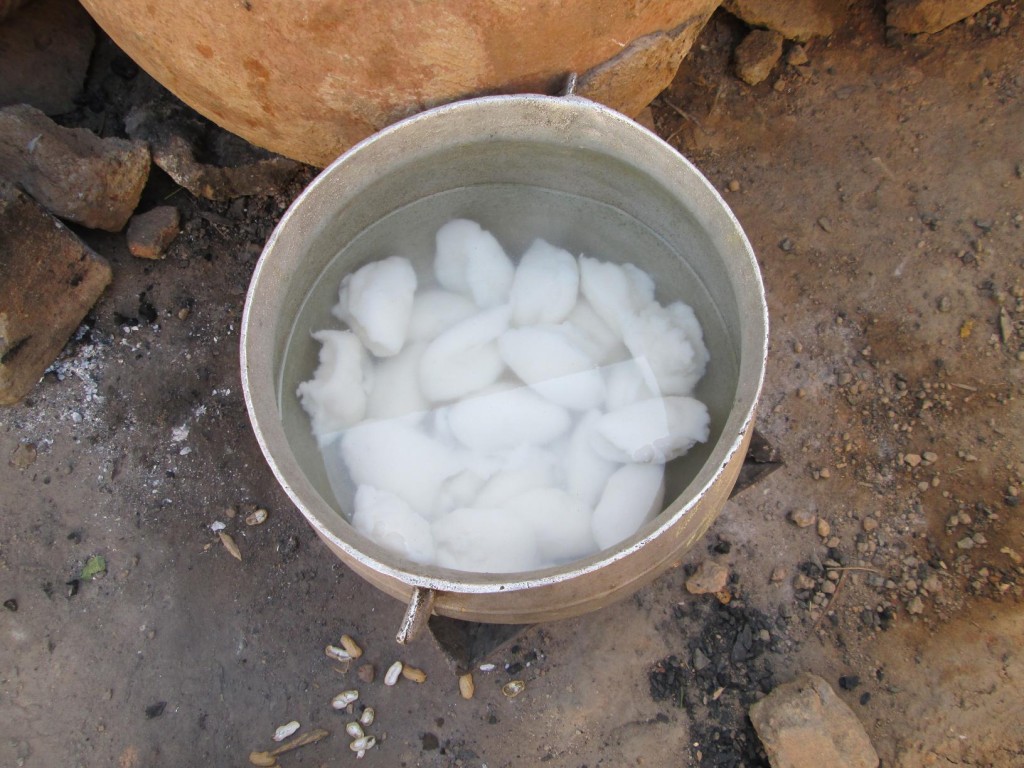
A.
pixel 506 416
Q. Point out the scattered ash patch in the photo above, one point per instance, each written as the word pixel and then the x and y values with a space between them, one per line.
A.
pixel 724 667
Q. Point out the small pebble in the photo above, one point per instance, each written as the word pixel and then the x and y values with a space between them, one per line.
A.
pixel 802 518
pixel 366 673
pixel 824 528
pixel 797 56
pixel 869 524
pixel 779 573
pixel 734 185
pixel 930 456
pixel 825 473
pixel 915 606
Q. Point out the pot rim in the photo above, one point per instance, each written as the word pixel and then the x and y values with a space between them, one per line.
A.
pixel 264 414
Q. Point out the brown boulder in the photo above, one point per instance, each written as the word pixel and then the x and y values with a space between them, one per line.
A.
pixel 308 80
pixel 49 279
pixel 916 16
pixel 759 52
pixel 804 724
pixel 71 172
pixel 798 20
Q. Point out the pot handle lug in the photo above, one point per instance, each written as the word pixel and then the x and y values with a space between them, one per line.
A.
pixel 421 605
pixel 569 89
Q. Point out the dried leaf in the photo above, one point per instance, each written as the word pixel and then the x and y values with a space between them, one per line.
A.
pixel 230 546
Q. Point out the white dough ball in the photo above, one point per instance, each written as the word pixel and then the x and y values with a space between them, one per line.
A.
pixel 592 335
pixel 472 262
pixel 397 457
pixel 465 358
pixel 655 430
pixel 615 291
pixel 485 541
pixel 396 385
pixel 435 311
pixel 376 302
pixel 586 470
pixel 627 383
pixel 504 419
pixel 335 398
pixel 634 494
pixel 561 524
pixel 545 286
pixel 671 343
pixel 525 469
pixel 388 521
pixel 544 358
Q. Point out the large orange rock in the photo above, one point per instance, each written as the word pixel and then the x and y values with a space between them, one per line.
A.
pixel 309 79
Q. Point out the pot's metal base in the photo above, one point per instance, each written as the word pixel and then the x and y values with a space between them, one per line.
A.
pixel 468 643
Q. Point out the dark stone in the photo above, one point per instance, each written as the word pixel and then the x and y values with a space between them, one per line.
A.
pixel 849 682
pixel 429 742
pixel 11 605
pixel 155 710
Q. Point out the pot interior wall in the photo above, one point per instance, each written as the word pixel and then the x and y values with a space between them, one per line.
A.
pixel 583 200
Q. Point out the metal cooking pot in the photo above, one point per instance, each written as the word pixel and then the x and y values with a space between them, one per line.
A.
pixel 579 175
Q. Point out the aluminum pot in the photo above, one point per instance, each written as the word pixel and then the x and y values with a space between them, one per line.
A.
pixel 563 168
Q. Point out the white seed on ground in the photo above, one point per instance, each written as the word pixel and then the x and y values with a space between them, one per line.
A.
pixel 344 698
pixel 259 517
pixel 632 495
pixel 351 646
pixel 366 719
pixel 363 743
pixel 513 688
pixel 414 674
pixel 336 653
pixel 286 730
pixel 335 398
pixel 466 687
pixel 354 729
pixel 393 673
pixel 545 285
pixel 487 667
pixel 376 302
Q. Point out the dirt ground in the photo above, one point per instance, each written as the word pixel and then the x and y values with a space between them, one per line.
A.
pixel 881 186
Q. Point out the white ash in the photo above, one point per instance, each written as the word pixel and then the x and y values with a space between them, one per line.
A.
pixel 511 417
